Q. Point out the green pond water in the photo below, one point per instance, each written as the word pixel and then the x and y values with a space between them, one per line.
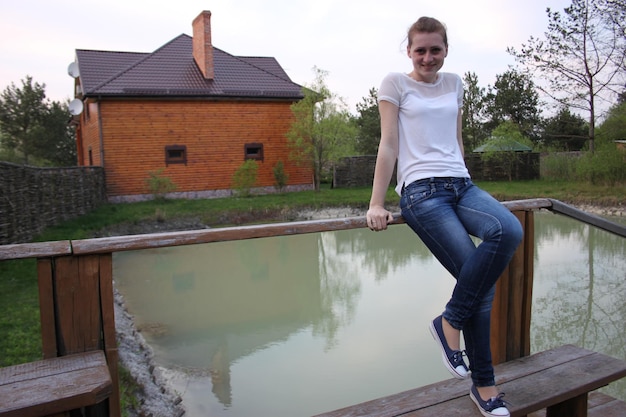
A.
pixel 299 325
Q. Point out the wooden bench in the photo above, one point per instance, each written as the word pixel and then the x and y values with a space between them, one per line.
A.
pixel 55 385
pixel 558 380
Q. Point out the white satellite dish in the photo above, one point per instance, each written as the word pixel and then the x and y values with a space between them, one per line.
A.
pixel 76 107
pixel 72 70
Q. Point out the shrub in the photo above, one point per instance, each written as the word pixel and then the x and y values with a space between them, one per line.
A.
pixel 159 185
pixel 559 166
pixel 245 177
pixel 607 165
pixel 280 176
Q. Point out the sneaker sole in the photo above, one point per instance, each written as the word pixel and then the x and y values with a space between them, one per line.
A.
pixel 446 363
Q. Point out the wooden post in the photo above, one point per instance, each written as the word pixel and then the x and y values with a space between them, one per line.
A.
pixel 77 314
pixel 575 407
pixel 510 316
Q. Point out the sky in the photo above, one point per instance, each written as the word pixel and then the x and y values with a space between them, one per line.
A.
pixel 356 41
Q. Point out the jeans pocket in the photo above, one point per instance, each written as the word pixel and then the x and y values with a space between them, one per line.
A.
pixel 415 194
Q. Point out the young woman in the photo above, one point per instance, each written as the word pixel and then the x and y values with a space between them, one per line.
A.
pixel 421 129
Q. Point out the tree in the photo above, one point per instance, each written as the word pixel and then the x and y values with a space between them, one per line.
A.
pixel 565 131
pixel 322 130
pixel 582 56
pixel 614 126
pixel 473 112
pixel 22 112
pixel 55 137
pixel 621 98
pixel 368 124
pixel 34 129
pixel 501 148
pixel 514 98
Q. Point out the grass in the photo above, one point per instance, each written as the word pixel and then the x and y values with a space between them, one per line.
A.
pixel 19 309
pixel 566 191
pixel 230 211
pixel 19 312
pixel 215 212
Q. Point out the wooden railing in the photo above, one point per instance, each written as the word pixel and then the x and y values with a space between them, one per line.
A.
pixel 76 282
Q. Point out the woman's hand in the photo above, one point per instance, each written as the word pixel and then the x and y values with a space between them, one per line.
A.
pixel 378 218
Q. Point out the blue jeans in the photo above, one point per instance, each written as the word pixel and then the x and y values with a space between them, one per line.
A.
pixel 444 212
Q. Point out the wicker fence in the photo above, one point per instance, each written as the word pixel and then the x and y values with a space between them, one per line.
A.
pixel 32 199
pixel 358 171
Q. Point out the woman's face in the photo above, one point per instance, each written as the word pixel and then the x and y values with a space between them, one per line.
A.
pixel 427 52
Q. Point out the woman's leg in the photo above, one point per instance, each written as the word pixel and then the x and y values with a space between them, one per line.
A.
pixel 444 212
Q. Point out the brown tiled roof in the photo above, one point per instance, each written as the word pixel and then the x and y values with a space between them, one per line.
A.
pixel 171 71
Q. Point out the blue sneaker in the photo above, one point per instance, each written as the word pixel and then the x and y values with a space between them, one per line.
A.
pixel 493 407
pixel 452 359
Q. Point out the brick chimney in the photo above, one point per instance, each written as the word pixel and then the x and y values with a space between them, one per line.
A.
pixel 202 47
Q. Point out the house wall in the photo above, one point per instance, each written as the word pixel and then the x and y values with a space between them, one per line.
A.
pixel 90 136
pixel 135 134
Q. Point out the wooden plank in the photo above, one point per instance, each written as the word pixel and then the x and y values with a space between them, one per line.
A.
pixel 46 308
pixel 567 384
pixel 528 277
pixel 557 384
pixel 592 219
pixel 108 327
pixel 440 392
pixel 156 240
pixel 529 383
pixel 121 243
pixel 499 313
pixel 77 304
pixel 87 305
pixel 517 324
pixel 115 405
pixel 515 298
pixel 35 250
pixel 54 385
pixel 105 281
pixel 407 401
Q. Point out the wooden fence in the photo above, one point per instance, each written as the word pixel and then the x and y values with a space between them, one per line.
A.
pixel 32 198
pixel 76 282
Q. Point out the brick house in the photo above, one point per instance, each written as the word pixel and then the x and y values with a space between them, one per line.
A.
pixel 189 109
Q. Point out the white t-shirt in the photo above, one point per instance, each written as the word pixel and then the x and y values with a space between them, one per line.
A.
pixel 427 126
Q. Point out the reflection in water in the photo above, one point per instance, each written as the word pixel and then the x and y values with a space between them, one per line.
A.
pixel 580 290
pixel 299 325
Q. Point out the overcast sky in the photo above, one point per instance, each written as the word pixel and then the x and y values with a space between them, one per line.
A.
pixel 357 41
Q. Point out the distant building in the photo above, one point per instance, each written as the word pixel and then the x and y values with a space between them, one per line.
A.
pixel 189 109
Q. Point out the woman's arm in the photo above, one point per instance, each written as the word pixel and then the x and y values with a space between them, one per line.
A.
pixel 459 132
pixel 377 215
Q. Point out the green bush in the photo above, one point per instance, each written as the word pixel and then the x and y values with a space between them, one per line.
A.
pixel 159 185
pixel 607 165
pixel 280 176
pixel 558 166
pixel 245 178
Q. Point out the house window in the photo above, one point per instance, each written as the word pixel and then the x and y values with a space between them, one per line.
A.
pixel 253 151
pixel 175 154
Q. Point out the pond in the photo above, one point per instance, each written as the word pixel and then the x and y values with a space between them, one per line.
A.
pixel 299 325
